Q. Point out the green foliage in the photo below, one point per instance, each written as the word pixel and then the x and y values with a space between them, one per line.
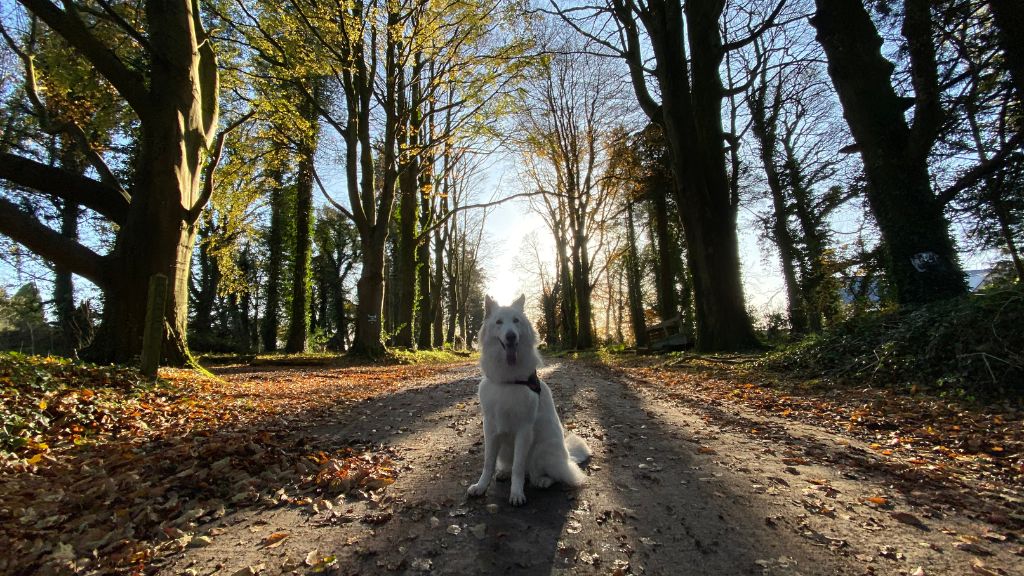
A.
pixel 969 346
pixel 42 395
pixel 403 356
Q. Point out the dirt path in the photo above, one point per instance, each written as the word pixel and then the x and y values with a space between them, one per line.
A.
pixel 675 488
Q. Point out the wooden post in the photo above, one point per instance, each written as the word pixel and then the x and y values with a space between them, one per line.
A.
pixel 153 336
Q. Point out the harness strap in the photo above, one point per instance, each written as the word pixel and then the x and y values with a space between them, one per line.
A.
pixel 533 383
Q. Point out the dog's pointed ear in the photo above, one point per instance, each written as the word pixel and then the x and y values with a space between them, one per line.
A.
pixel 520 302
pixel 488 306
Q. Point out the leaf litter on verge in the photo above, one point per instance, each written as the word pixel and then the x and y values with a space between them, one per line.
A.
pixel 146 451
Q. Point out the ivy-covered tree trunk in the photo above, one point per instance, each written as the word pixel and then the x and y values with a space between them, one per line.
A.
pixel 302 253
pixel 63 279
pixel 64 284
pixel 275 246
pixel 665 272
pixel 636 305
pixel 406 262
pixel 205 295
pixel 922 264
pixel 438 291
pixel 424 292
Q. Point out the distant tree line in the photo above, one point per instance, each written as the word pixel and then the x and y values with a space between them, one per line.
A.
pixel 311 175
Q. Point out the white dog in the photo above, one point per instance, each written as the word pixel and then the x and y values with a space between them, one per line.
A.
pixel 522 433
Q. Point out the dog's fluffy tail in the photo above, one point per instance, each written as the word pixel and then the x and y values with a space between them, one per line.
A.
pixel 579 452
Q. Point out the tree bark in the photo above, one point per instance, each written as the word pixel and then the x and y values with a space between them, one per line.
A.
pixel 275 245
pixel 636 305
pixel 302 254
pixel 665 273
pixel 921 262
pixel 1008 16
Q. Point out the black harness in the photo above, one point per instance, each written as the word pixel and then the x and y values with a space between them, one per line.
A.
pixel 533 383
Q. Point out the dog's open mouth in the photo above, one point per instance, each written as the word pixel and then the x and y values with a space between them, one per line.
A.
pixel 511 352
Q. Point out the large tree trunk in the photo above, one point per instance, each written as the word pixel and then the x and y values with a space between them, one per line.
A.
pixel 691 119
pixel 921 262
pixel 177 129
pixel 176 100
pixel 370 292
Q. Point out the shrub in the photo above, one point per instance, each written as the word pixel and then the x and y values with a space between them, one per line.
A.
pixel 970 346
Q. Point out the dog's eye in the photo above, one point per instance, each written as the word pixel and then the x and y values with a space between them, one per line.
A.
pixel 499 322
pixel 516 320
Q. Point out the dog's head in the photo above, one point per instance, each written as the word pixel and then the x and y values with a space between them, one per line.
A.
pixel 507 331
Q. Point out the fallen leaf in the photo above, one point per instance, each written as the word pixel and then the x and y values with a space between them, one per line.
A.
pixel 274 540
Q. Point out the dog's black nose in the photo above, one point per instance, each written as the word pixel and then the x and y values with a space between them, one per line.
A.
pixel 511 337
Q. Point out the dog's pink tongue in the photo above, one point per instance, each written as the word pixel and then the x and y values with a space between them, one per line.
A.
pixel 511 355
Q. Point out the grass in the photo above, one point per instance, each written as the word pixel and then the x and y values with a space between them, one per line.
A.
pixel 339 360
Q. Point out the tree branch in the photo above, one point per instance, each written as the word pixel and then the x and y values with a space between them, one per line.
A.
pixel 768 23
pixel 26 230
pixel 68 127
pixel 65 185
pixel 218 148
pixel 127 82
pixel 983 169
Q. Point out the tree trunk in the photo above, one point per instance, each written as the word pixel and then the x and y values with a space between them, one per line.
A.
pixel 665 274
pixel 302 271
pixel 424 291
pixel 370 292
pixel 438 291
pixel 1008 16
pixel 921 262
pixel 567 296
pixel 636 305
pixel 206 295
pixel 691 120
pixel 275 245
pixel 764 123
pixel 64 284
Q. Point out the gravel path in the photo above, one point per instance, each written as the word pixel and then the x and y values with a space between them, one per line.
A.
pixel 675 488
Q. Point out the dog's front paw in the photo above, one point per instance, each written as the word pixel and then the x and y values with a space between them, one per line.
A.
pixel 477 489
pixel 517 498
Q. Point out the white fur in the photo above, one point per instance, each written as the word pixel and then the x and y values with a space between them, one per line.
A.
pixel 522 433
